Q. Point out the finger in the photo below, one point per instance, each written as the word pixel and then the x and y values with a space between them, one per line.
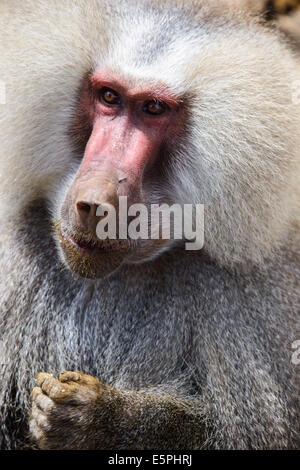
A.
pixel 78 376
pixel 41 377
pixel 53 387
pixel 35 430
pixel 41 401
pixel 39 417
pixel 69 376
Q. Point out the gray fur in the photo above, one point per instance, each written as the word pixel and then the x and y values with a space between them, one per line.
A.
pixel 212 329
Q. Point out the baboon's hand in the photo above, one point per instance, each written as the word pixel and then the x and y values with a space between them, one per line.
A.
pixel 79 412
pixel 64 411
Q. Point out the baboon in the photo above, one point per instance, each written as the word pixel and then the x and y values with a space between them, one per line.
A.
pixel 158 347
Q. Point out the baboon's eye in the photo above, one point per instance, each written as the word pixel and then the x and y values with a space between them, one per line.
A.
pixel 154 107
pixel 110 97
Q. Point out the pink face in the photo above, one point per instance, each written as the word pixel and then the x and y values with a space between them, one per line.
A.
pixel 128 126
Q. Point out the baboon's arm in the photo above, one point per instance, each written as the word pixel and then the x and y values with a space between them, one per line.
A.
pixel 79 412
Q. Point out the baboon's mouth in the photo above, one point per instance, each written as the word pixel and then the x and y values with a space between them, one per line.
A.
pixel 91 247
pixel 92 259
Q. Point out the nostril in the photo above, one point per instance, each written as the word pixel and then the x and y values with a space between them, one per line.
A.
pixel 83 207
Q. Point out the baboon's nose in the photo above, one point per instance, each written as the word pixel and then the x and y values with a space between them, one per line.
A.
pixel 91 194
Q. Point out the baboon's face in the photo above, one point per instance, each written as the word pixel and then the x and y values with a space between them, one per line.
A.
pixel 127 127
